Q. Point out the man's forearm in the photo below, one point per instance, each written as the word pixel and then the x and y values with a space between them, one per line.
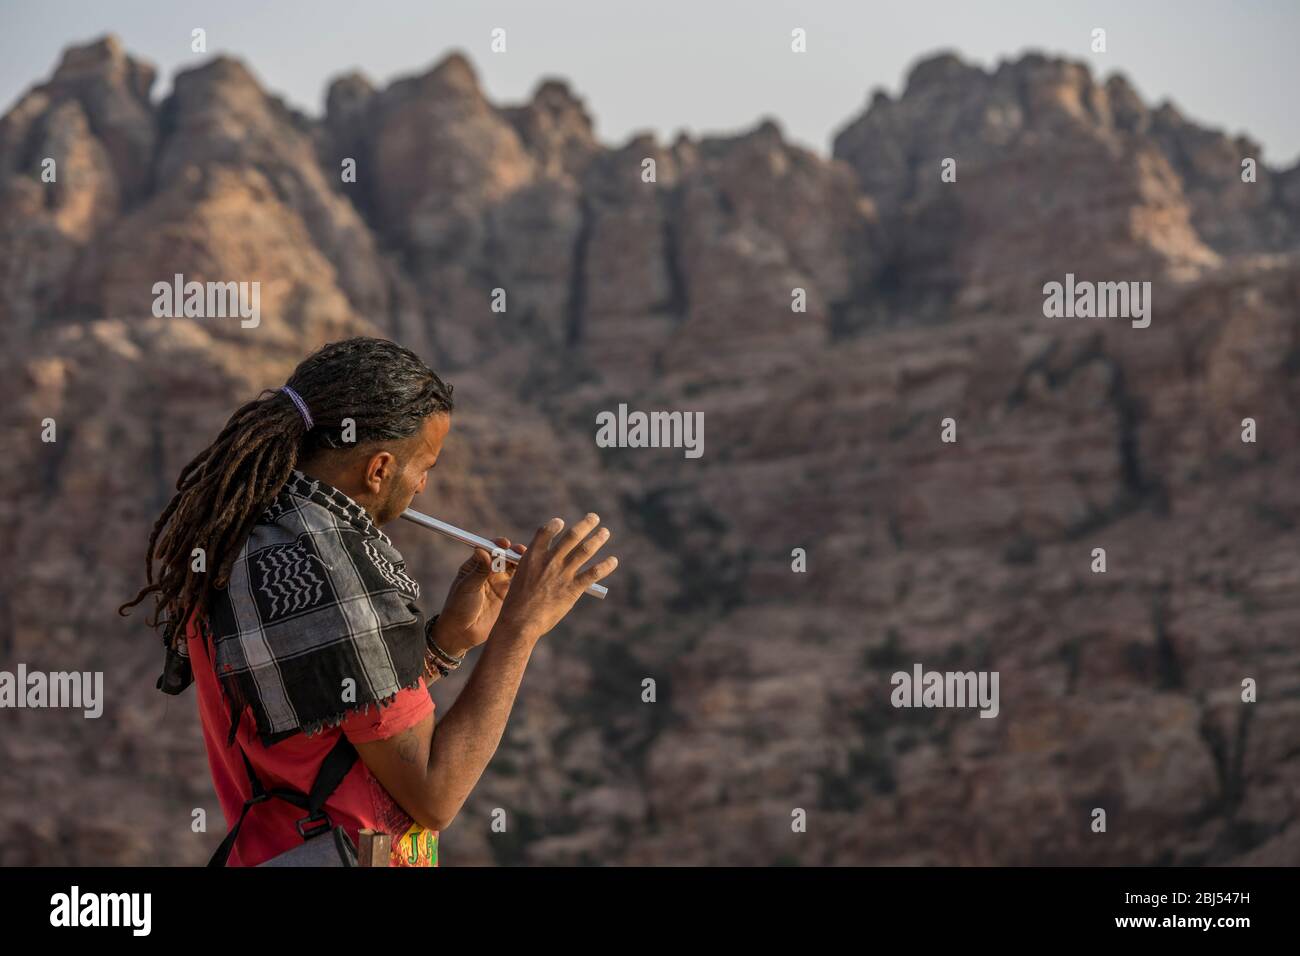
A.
pixel 465 740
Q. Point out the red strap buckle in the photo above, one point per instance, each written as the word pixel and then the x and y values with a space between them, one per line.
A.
pixel 323 825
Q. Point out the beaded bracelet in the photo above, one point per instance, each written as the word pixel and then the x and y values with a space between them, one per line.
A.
pixel 442 660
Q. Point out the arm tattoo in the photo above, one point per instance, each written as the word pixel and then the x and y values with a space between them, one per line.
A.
pixel 408 748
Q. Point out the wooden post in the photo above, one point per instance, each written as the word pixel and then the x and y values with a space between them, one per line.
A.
pixel 372 847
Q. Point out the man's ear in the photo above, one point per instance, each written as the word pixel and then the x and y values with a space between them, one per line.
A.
pixel 381 467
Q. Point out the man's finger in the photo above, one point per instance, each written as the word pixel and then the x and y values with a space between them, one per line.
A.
pixel 594 542
pixel 480 562
pixel 597 571
pixel 576 534
pixel 506 567
pixel 546 533
pixel 511 567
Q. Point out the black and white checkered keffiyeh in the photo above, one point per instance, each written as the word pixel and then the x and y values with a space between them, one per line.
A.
pixel 319 618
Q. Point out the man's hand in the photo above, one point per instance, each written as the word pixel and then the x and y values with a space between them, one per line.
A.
pixel 474 601
pixel 430 774
pixel 552 576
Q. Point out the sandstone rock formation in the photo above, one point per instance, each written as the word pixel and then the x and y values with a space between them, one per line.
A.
pixel 1119 690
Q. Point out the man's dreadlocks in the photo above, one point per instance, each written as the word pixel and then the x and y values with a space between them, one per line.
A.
pixel 386 390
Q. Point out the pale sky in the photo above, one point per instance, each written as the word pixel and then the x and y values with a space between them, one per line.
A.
pixel 703 66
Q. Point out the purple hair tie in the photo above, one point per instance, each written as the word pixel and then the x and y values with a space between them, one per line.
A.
pixel 302 406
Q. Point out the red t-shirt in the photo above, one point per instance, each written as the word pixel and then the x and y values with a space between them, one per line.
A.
pixel 360 800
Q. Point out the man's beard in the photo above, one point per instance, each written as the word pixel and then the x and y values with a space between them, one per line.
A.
pixel 394 503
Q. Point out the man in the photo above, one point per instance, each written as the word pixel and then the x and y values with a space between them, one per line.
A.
pixel 292 613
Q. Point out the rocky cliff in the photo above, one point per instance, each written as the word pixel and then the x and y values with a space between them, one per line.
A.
pixel 924 300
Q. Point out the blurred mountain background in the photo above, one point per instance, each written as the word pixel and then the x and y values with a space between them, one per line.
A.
pixel 1118 690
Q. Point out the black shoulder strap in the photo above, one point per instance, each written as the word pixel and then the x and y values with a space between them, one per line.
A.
pixel 333 769
pixel 177 673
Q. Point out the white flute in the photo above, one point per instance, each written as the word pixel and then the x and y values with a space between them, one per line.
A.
pixel 474 541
